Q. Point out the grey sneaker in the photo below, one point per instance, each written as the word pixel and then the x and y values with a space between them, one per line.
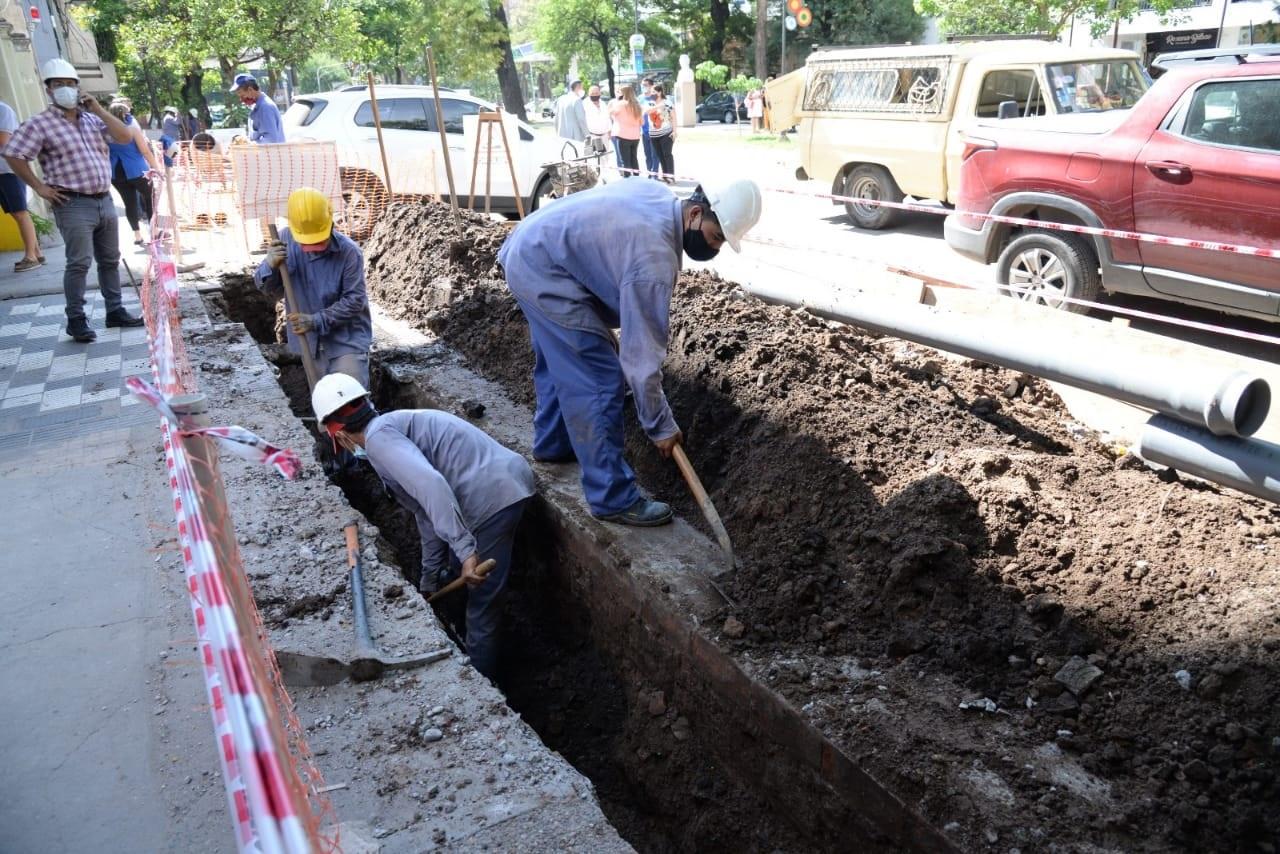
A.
pixel 642 514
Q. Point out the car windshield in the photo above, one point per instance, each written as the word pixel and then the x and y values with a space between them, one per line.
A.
pixel 1091 87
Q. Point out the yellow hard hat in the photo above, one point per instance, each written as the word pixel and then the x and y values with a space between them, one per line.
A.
pixel 310 216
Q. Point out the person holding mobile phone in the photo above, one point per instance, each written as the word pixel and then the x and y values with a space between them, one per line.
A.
pixel 70 142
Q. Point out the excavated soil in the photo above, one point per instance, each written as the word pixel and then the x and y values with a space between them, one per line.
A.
pixel 1030 636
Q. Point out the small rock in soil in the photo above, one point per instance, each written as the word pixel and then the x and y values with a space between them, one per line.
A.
pixel 1078 675
pixel 680 729
pixel 733 628
pixel 393 591
pixel 432 734
pixel 657 704
pixel 473 409
pixel 1184 679
pixel 984 704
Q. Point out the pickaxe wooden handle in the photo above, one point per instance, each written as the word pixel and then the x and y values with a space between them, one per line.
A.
pixel 291 306
pixel 704 500
pixel 482 571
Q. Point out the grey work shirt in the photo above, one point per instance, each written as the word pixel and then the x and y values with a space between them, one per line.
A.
pixel 329 286
pixel 603 259
pixel 450 474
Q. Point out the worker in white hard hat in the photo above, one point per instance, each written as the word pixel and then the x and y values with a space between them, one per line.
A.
pixel 70 141
pixel 466 492
pixel 592 262
pixel 326 269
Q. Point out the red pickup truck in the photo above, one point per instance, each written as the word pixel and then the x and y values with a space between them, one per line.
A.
pixel 1197 157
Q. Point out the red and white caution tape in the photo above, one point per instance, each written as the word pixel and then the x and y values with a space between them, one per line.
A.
pixel 259 787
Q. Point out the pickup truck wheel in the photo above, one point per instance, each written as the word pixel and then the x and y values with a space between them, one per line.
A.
pixel 1043 267
pixel 364 199
pixel 872 182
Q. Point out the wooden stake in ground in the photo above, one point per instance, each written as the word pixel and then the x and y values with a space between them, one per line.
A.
pixel 444 137
pixel 291 306
pixel 377 125
pixel 486 122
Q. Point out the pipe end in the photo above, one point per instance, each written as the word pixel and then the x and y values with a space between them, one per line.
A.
pixel 1240 406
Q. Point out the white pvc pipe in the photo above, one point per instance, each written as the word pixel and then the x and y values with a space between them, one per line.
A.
pixel 1226 402
pixel 1249 465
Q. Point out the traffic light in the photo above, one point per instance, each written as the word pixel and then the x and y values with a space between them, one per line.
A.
pixel 804 17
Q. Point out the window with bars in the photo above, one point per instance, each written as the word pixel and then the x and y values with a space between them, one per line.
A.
pixel 916 85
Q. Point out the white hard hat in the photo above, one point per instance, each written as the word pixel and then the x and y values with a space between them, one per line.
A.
pixel 737 207
pixel 334 392
pixel 58 69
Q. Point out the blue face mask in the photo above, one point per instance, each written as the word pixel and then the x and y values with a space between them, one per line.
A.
pixel 359 453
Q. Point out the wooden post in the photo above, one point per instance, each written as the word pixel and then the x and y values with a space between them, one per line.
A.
pixel 444 137
pixel 485 122
pixel 377 124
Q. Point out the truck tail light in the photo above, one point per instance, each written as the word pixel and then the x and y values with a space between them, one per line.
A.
pixel 973 144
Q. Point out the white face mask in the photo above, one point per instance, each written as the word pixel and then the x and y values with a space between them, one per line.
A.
pixel 66 96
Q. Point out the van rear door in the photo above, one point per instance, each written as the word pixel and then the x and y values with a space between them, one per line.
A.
pixel 785 96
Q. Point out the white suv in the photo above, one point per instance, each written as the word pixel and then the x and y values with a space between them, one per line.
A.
pixel 409 128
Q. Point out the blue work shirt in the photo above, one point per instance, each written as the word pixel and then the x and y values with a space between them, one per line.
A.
pixel 602 259
pixel 449 473
pixel 329 286
pixel 264 121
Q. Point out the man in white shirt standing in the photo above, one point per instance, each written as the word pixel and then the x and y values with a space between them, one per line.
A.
pixel 599 125
pixel 13 197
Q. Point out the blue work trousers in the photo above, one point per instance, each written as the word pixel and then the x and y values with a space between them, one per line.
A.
pixel 579 386
pixel 494 540
pixel 650 156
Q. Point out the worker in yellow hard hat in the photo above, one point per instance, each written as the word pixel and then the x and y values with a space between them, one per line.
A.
pixel 327 271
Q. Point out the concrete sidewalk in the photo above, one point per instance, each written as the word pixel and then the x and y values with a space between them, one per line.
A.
pixel 101 693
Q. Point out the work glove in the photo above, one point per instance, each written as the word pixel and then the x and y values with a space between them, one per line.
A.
pixel 301 324
pixel 275 255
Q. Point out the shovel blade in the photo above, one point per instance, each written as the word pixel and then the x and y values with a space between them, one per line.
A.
pixel 365 666
pixel 299 670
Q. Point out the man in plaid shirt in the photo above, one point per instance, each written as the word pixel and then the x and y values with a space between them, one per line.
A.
pixel 70 141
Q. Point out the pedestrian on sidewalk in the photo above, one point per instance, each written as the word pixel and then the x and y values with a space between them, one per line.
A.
pixel 662 133
pixel 13 198
pixel 132 164
pixel 755 109
pixel 70 141
pixel 265 126
pixel 326 269
pixel 650 153
pixel 575 281
pixel 170 126
pixel 466 492
pixel 598 122
pixel 571 115
pixel 627 118
pixel 193 123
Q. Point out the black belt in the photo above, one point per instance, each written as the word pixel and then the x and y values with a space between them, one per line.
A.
pixel 83 195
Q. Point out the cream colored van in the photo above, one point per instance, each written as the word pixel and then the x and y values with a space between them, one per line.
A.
pixel 886 122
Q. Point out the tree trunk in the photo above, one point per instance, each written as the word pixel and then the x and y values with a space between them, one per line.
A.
pixel 719 21
pixel 193 94
pixel 762 39
pixel 508 74
pixel 603 39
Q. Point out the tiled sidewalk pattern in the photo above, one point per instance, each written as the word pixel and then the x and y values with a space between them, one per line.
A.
pixel 53 389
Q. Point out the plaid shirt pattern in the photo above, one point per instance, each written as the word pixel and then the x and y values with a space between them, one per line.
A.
pixel 72 155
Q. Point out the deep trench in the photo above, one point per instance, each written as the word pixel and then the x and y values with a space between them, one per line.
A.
pixel 656 780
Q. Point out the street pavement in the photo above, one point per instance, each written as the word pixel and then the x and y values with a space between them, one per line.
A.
pixel 102 698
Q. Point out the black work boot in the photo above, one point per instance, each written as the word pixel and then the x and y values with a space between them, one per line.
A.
pixel 78 329
pixel 641 514
pixel 120 317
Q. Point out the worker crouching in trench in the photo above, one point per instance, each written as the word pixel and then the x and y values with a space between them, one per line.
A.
pixel 466 493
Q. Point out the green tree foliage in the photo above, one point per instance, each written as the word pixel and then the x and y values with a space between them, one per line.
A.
pixel 568 28
pixel 1043 17
pixel 712 73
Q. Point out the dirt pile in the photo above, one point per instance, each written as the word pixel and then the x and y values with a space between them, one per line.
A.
pixel 918 534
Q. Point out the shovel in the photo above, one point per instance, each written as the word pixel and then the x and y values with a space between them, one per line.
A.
pixel 482 571
pixel 368 662
pixel 708 511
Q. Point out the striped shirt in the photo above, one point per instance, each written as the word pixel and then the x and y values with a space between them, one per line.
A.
pixel 73 154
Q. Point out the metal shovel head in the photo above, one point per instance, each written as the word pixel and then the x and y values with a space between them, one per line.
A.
pixel 370 664
pixel 299 670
